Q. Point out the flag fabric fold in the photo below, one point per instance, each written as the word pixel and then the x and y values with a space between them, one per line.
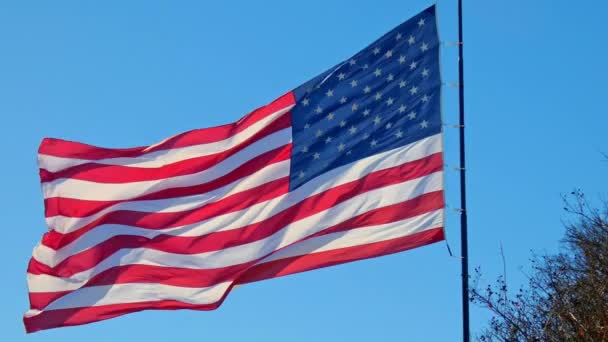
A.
pixel 345 167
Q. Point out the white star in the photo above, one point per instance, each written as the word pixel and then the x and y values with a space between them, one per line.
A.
pixel 343 100
pixel 301 174
pixel 376 51
pixel 353 83
pixel 342 123
pixel 389 125
pixel 390 77
pixel 328 140
pixel 305 102
pixel 367 89
pixel 412 115
pixel 349 152
pixel 424 124
pixel 365 136
pixel 330 116
pixel 413 65
pixel 411 40
pixel 305 149
pixel 398 36
pixel 352 62
pixel 365 66
pixel 402 84
pixel 352 129
pixel 319 133
pixel 421 22
pixel 414 90
pixel 378 72
pixel 401 59
pixel 377 120
pixel 425 98
pixel 424 47
pixel 378 96
pixel 329 93
pixel 399 134
pixel 316 155
pixel 425 72
pixel 307 125
pixel 341 147
pixel 354 107
pixel 366 112
pixel 389 101
pixel 318 109
pixel 341 76
pixel 389 54
pixel 373 143
pixel 402 109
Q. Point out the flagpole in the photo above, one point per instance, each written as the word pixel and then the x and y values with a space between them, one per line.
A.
pixel 463 198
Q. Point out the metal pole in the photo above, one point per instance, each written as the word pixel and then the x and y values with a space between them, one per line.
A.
pixel 463 198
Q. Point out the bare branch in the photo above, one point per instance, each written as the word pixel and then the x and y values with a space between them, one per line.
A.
pixel 566 297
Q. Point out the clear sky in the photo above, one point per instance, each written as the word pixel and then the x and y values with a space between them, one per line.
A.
pixel 120 74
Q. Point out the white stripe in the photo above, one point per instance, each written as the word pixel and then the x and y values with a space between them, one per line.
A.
pixel 164 157
pixel 87 190
pixel 360 236
pixel 135 293
pixel 289 234
pixel 341 175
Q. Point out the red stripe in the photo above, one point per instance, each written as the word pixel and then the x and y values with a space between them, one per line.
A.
pixel 76 316
pixel 104 173
pixel 230 238
pixel 70 149
pixel 203 278
pixel 397 212
pixel 71 207
pixel 282 267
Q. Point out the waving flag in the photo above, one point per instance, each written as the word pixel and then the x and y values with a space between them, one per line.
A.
pixel 345 167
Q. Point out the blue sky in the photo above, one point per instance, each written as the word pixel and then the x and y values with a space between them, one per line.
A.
pixel 123 74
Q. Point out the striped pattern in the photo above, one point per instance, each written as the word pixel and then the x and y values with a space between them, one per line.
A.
pixel 178 224
pixel 287 188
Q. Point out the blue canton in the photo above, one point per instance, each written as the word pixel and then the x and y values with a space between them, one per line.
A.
pixel 384 97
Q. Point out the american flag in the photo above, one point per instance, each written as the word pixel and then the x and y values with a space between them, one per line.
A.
pixel 345 167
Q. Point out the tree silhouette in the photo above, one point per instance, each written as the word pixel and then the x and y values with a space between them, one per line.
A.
pixel 566 297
